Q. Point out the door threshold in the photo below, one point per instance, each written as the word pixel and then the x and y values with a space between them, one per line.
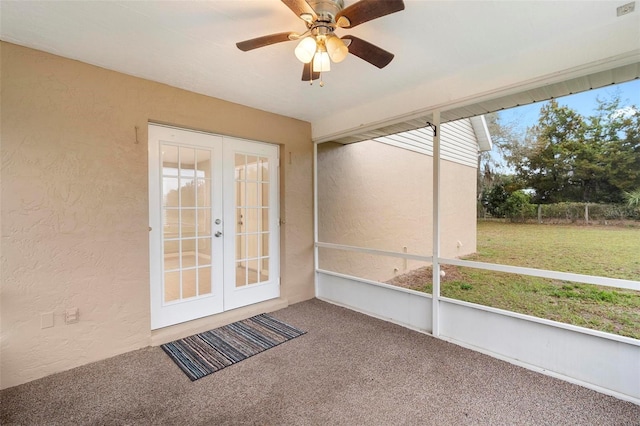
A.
pixel 179 331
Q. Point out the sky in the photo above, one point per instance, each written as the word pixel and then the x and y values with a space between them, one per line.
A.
pixel 584 103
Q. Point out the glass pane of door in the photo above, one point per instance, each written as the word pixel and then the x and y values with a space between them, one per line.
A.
pixel 252 216
pixel 186 222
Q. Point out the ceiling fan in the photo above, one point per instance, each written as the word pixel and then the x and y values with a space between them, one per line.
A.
pixel 319 46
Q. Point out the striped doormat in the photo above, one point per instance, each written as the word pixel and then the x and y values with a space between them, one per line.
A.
pixel 205 353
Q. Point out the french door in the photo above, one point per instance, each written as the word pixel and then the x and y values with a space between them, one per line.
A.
pixel 214 224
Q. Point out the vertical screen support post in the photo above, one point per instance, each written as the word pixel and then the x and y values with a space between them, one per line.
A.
pixel 435 320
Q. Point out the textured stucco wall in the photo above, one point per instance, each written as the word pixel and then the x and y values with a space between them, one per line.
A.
pixel 75 206
pixel 378 196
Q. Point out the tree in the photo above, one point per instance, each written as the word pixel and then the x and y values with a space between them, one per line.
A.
pixel 619 128
pixel 566 157
pixel 495 177
pixel 549 153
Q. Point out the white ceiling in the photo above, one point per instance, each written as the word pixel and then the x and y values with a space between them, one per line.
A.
pixel 447 52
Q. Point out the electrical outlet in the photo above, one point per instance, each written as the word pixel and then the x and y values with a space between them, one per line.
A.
pixel 71 315
pixel 46 320
pixel 626 8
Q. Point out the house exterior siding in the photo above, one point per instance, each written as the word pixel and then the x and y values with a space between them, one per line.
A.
pixel 458 142
pixel 378 194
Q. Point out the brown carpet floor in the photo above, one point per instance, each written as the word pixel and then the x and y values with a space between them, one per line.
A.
pixel 349 369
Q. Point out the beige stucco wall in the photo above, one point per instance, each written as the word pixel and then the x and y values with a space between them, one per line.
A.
pixel 75 207
pixel 378 196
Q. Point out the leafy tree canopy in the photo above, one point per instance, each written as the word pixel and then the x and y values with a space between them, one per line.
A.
pixel 568 157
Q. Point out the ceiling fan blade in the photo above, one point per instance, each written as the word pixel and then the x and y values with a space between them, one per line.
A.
pixel 366 10
pixel 263 41
pixel 368 52
pixel 307 74
pixel 300 8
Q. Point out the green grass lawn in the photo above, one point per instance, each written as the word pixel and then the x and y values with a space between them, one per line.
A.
pixel 603 251
pixel 612 252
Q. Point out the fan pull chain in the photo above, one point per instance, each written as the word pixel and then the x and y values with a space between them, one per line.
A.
pixel 320 80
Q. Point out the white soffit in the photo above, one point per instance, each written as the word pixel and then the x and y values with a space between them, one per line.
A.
pixel 549 91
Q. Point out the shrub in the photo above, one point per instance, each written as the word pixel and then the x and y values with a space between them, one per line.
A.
pixel 633 198
pixel 565 211
pixel 573 212
pixel 633 202
pixel 518 207
pixel 494 199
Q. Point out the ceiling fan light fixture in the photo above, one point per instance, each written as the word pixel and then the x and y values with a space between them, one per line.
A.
pixel 321 62
pixel 306 49
pixel 336 49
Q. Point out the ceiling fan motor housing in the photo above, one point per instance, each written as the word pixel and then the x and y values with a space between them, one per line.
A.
pixel 326 9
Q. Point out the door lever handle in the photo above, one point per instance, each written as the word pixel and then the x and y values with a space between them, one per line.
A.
pixel 218 234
